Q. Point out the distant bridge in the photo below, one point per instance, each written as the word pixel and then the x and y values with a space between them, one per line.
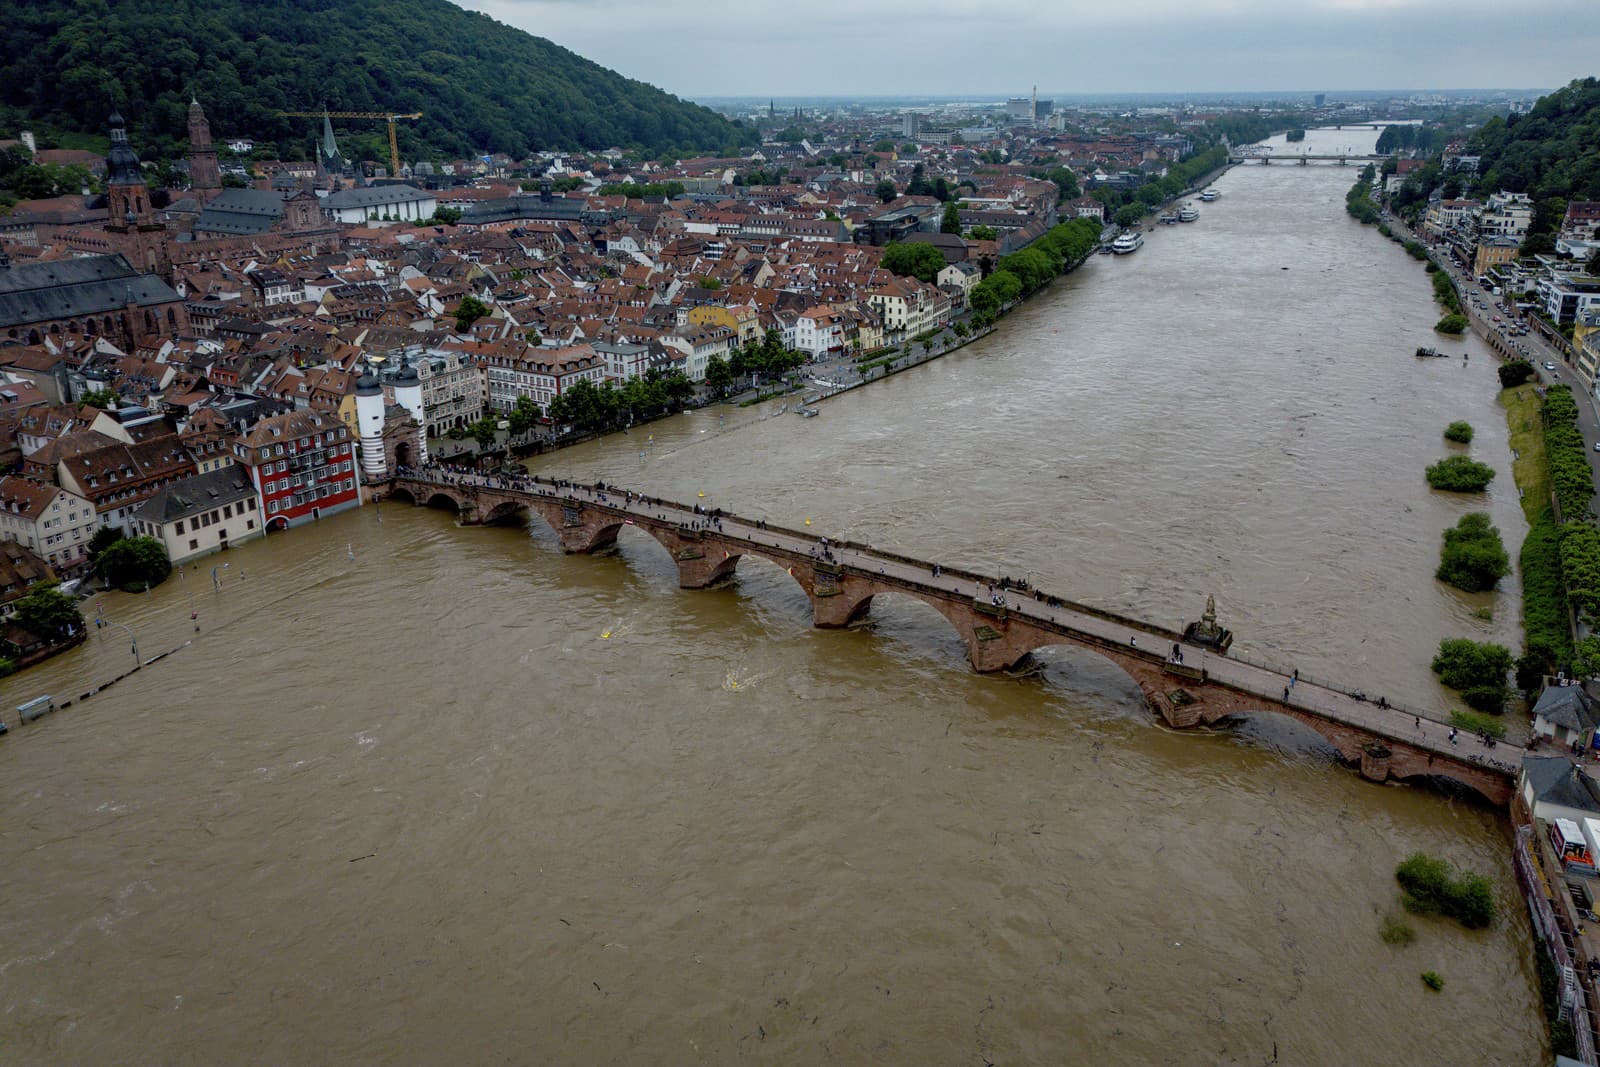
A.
pixel 1188 680
pixel 1304 158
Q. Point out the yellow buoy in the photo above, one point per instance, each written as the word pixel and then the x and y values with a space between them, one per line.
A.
pixel 702 494
pixel 606 634
pixel 808 522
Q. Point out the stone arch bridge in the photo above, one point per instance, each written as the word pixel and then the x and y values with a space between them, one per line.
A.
pixel 1189 679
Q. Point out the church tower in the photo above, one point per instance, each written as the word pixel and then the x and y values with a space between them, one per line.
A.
pixel 205 177
pixel 135 231
pixel 127 197
pixel 330 163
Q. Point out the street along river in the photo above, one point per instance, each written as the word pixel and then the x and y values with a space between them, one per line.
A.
pixel 417 792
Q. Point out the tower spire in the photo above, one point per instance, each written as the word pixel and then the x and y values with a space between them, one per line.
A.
pixel 205 176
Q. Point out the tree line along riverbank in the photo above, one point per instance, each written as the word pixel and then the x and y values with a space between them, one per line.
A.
pixel 1559 559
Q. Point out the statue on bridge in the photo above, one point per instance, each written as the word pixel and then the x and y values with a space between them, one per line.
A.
pixel 1207 632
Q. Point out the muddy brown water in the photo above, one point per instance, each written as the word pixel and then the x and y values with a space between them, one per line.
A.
pixel 463 797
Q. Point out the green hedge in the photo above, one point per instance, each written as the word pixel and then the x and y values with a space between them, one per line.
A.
pixel 1569 461
pixel 1580 567
pixel 1445 293
pixel 1451 324
pixel 1459 432
pixel 1544 603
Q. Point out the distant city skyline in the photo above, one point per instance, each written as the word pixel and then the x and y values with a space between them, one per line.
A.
pixel 728 48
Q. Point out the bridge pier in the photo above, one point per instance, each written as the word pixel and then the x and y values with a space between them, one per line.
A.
pixel 1375 756
pixel 701 563
pixel 837 599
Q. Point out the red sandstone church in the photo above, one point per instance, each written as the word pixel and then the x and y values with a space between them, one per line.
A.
pixel 120 287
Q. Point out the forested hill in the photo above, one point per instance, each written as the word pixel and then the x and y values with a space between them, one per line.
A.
pixel 1552 153
pixel 482 86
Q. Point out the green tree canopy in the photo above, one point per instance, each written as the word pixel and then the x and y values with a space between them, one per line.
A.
pixel 134 563
pixel 1478 669
pixel 1472 556
pixel 469 311
pixel 951 222
pixel 100 398
pixel 48 613
pixel 917 259
pixel 524 415
pixel 480 85
pixel 1130 215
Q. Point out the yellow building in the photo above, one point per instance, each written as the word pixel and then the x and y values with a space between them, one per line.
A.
pixel 741 319
pixel 1586 343
pixel 1493 250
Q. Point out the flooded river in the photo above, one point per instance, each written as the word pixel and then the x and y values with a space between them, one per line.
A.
pixel 416 793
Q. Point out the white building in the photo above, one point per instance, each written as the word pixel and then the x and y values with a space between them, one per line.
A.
pixel 1506 215
pixel 56 525
pixel 540 373
pixel 452 390
pixel 624 362
pixel 818 331
pixel 381 202
pixel 697 344
pixel 202 514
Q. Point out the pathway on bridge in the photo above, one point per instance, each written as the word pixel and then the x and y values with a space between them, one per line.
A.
pixel 1428 734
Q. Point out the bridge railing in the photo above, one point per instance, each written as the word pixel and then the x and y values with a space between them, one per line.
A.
pixel 1235 653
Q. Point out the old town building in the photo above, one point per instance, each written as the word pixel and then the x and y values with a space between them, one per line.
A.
pixel 302 465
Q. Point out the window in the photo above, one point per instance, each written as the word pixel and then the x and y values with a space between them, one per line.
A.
pixel 249 524
pixel 227 511
pixel 179 526
pixel 193 543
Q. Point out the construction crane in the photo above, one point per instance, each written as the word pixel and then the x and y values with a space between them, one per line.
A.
pixel 387 116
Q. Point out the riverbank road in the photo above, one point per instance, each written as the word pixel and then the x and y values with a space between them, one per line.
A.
pixel 1431 734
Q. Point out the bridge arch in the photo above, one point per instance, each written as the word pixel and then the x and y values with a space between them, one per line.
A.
pixel 438 498
pixel 506 512
pixel 1449 785
pixel 1340 741
pixel 401 492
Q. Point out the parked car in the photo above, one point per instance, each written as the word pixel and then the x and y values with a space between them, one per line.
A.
pixel 1548 365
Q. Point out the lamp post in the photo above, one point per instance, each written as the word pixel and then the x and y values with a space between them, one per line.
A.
pixel 137 663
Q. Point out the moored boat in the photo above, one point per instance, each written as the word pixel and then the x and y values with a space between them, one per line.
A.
pixel 1188 214
pixel 1209 195
pixel 1128 242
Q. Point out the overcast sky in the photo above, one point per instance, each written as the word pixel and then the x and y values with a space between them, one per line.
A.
pixel 893 47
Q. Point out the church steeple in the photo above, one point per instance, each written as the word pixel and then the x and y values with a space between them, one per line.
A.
pixel 127 196
pixel 205 176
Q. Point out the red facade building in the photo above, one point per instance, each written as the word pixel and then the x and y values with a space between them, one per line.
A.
pixel 303 466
